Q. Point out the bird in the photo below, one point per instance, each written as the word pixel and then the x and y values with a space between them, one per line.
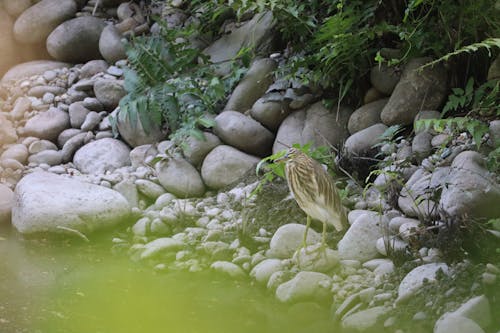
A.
pixel 314 191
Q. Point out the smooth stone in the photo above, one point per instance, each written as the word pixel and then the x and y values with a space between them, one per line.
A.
pixel 91 121
pixel 110 44
pixel 228 268
pixel 289 238
pixel 76 40
pixel 160 246
pixel 16 7
pixel 384 78
pixel 243 133
pixel 315 258
pixel 36 23
pixel 366 116
pixel 225 165
pixel 362 142
pixel 364 320
pixel 390 245
pixel 128 190
pixel 49 157
pixel 102 155
pixel 71 146
pixel 21 106
pixel 66 135
pixel 478 309
pixel 264 269
pixel 414 280
pixel 77 114
pixel 305 286
pixel 269 113
pixel 196 150
pixel 8 55
pixel 17 152
pixel 180 178
pixel 149 188
pixel 93 67
pixel 47 125
pixel 456 324
pixel 51 203
pixel 109 92
pixel 31 68
pixel 134 133
pixel 39 91
pixel 7 131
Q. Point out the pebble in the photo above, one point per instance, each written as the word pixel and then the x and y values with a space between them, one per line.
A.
pixel 115 71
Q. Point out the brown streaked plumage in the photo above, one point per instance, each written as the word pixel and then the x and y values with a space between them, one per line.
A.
pixel 314 190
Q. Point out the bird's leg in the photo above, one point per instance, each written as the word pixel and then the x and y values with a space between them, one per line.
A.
pixel 308 225
pixel 323 237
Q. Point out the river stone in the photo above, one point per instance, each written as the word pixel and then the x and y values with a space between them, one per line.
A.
pixel 111 45
pixel 417 90
pixel 129 191
pixel 456 324
pixel 21 106
pixel 264 269
pixel 421 145
pixel 244 133
pixel 77 114
pixel 478 309
pixel 288 239
pixel 66 135
pixel 49 157
pixel 160 246
pixel 37 22
pixel 258 32
pixel 305 286
pixel 139 154
pixel 316 258
pixel 17 152
pixel 93 67
pixel 366 116
pixel 364 320
pixel 102 155
pixel 16 7
pixel 225 165
pixel 253 85
pixel 132 133
pixel 76 40
pixel 470 189
pixel 109 92
pixel 41 145
pixel 8 54
pixel 6 203
pixel 269 113
pixel 316 125
pixel 39 91
pixel 228 268
pixel 360 240
pixel 416 278
pixel 44 202
pixel 7 131
pixel 91 121
pixel 31 68
pixel 362 142
pixel 149 188
pixel 196 150
pixel 47 125
pixel 180 178
pixel 384 78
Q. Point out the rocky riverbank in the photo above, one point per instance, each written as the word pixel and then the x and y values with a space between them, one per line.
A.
pixel 406 262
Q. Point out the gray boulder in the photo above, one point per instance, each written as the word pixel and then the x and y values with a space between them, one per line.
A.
pixel 366 116
pixel 244 133
pixel 259 31
pixel 45 202
pixel 269 113
pixel 102 155
pixel 76 40
pixel 109 92
pixel 417 90
pixel 225 165
pixel 196 150
pixel 133 133
pixel 364 320
pixel 77 113
pixel 6 203
pixel 49 157
pixel 47 125
pixel 416 278
pixel 456 324
pixel 31 68
pixel 288 239
pixel 316 125
pixel 37 22
pixel 384 78
pixel 362 142
pixel 305 286
pixel 111 45
pixel 253 85
pixel 93 67
pixel 180 178
pixel 72 145
pixel 470 190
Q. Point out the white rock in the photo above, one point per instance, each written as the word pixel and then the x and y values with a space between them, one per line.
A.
pixel 228 268
pixel 46 202
pixel 456 324
pixel 161 245
pixel 364 320
pixel 477 309
pixel 102 155
pixel 412 282
pixel 288 238
pixel 305 286
pixel 149 188
pixel 264 269
pixel 315 258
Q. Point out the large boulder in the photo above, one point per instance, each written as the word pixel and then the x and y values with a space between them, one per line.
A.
pixel 102 155
pixel 269 113
pixel 470 189
pixel 45 202
pixel 111 45
pixel 416 278
pixel 418 89
pixel 180 178
pixel 362 142
pixel 196 150
pixel 109 92
pixel 47 125
pixel 366 116
pixel 76 40
pixel 31 68
pixel 37 22
pixel 258 33
pixel 316 125
pixel 384 78
pixel 134 133
pixel 225 165
pixel 8 56
pixel 244 133
pixel 253 85
pixel 6 202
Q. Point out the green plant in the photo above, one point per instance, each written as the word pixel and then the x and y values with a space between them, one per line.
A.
pixel 476 128
pixel 484 100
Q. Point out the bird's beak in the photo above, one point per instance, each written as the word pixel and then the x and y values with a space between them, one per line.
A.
pixel 284 158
